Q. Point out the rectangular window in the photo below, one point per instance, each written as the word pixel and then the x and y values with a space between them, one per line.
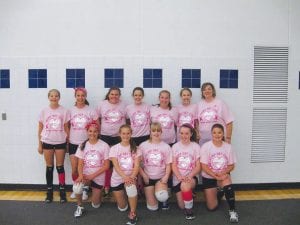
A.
pixel 152 78
pixel 190 78
pixel 75 78
pixel 4 79
pixel 113 78
pixel 228 78
pixel 37 78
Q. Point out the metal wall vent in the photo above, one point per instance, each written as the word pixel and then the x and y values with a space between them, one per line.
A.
pixel 268 134
pixel 270 74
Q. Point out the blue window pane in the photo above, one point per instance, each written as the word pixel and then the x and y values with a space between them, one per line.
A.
pixel 157 73
pixel 233 84
pixel 4 83
pixel 42 73
pixel 196 83
pixel 42 83
pixel 80 83
pixel 109 83
pixel 147 73
pixel 70 73
pixel 234 74
pixel 186 83
pixel 157 83
pixel 118 73
pixel 4 74
pixel 196 73
pixel 80 73
pixel 118 83
pixel 32 74
pixel 186 73
pixel 108 73
pixel 223 83
pixel 147 83
pixel 70 83
pixel 32 83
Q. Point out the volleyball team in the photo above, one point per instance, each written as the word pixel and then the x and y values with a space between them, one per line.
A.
pixel 122 148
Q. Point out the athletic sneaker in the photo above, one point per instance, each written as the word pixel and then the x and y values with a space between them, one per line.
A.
pixel 165 205
pixel 189 215
pixel 62 194
pixel 96 206
pixel 79 211
pixel 85 193
pixel 49 196
pixel 132 219
pixel 73 195
pixel 233 216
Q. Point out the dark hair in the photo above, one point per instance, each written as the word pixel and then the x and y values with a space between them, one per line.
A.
pixel 133 147
pixel 110 90
pixel 220 126
pixel 186 89
pixel 82 146
pixel 138 89
pixel 192 130
pixel 166 91
pixel 85 92
pixel 204 85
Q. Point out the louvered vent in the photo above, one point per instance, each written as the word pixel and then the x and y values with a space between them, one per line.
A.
pixel 270 74
pixel 268 134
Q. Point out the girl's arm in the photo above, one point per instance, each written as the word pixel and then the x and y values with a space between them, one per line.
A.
pixel 67 130
pixel 40 147
pixel 165 178
pixel 207 170
pixel 117 167
pixel 143 174
pixel 80 171
pixel 176 171
pixel 136 167
pixel 229 127
pixel 98 172
pixel 196 169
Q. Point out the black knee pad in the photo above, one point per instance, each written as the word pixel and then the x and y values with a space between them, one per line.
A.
pixel 60 169
pixel 229 192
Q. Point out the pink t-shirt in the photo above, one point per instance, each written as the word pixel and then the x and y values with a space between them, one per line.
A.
pixel 112 117
pixel 168 119
pixel 217 158
pixel 125 160
pixel 186 114
pixel 186 157
pixel 210 113
pixel 139 116
pixel 155 158
pixel 79 118
pixel 93 157
pixel 53 121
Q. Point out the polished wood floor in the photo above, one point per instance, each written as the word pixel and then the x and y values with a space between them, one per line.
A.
pixel 240 195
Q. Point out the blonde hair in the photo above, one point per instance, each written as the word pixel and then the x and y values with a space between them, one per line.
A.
pixel 155 126
pixel 54 90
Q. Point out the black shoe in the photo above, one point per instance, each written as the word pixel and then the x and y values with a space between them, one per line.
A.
pixel 189 215
pixel 132 219
pixel 62 194
pixel 49 196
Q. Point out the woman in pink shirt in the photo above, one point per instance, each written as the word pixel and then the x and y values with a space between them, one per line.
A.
pixel 126 160
pixel 167 116
pixel 93 161
pixel 186 167
pixel 112 115
pixel 156 169
pixel 212 110
pixel 217 162
pixel 138 115
pixel 80 115
pixel 53 131
pixel 187 112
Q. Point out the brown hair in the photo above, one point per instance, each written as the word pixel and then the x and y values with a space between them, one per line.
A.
pixel 133 147
pixel 204 85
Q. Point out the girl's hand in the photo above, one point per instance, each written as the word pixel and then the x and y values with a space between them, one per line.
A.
pixel 146 179
pixel 164 180
pixel 129 180
pixel 79 180
pixel 40 149
pixel 187 179
pixel 88 177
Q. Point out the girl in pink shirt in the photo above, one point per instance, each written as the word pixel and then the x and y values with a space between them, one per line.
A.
pixel 186 167
pixel 187 112
pixel 138 115
pixel 217 161
pixel 80 115
pixel 93 161
pixel 156 158
pixel 210 111
pixel 126 159
pixel 112 115
pixel 52 135
pixel 167 116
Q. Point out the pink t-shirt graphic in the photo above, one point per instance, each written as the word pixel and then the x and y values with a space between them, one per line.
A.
pixel 139 116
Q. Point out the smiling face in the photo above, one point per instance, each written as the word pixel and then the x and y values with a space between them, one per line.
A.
pixel 114 96
pixel 125 134
pixel 164 100
pixel 54 97
pixel 93 133
pixel 80 98
pixel 186 97
pixel 217 134
pixel 185 135
pixel 138 97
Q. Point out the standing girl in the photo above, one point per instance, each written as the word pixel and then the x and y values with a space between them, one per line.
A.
pixel 210 111
pixel 156 158
pixel 80 115
pixel 217 161
pixel 92 163
pixel 126 159
pixel 52 135
pixel 167 116
pixel 187 112
pixel 186 167
pixel 112 115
